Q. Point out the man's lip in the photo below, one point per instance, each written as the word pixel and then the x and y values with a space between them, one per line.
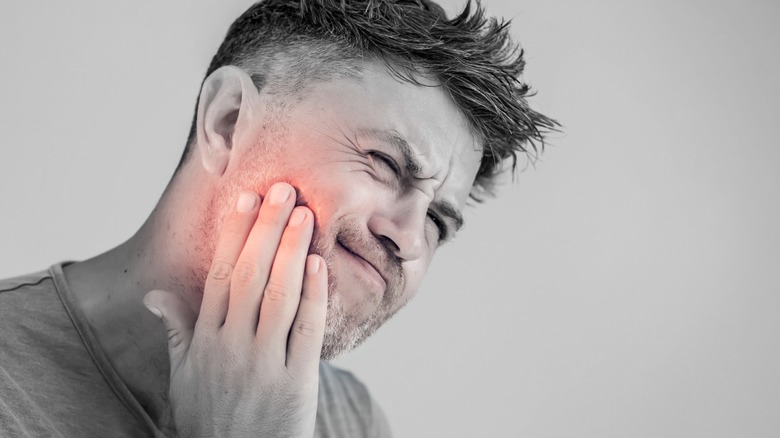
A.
pixel 368 262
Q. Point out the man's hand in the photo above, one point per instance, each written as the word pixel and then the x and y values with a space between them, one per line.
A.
pixel 248 364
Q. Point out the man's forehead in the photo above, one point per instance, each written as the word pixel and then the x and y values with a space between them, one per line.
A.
pixel 419 120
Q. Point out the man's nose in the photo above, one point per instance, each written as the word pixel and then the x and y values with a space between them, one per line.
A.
pixel 402 224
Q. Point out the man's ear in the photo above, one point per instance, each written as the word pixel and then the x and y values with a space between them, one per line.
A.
pixel 227 104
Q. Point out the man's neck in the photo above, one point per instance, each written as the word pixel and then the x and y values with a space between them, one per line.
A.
pixel 109 290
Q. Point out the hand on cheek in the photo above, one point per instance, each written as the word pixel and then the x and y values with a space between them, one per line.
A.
pixel 248 364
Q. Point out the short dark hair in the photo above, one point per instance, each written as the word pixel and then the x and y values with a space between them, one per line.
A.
pixel 286 44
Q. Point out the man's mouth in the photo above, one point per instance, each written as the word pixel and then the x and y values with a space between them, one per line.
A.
pixel 369 268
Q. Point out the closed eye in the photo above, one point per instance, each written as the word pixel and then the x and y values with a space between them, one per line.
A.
pixel 393 166
pixel 442 227
pixel 387 161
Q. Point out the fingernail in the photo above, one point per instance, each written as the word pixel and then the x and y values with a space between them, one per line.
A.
pixel 246 201
pixel 155 311
pixel 312 265
pixel 279 193
pixel 297 217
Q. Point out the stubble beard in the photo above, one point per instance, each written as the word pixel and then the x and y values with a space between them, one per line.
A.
pixel 344 330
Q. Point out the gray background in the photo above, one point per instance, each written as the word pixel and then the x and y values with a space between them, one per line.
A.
pixel 624 287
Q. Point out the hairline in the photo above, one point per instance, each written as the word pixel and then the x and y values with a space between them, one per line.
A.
pixel 293 95
pixel 268 79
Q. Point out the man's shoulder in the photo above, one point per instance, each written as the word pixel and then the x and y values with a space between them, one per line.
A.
pixel 27 296
pixel 36 280
pixel 32 316
pixel 50 384
pixel 34 322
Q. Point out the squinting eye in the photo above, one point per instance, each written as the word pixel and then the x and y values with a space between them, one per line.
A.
pixel 384 159
pixel 439 224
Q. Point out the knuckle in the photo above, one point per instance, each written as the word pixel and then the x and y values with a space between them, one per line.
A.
pixel 200 353
pixel 305 328
pixel 273 222
pixel 277 292
pixel 221 270
pixel 245 272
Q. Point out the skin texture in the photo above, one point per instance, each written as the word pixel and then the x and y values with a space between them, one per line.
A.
pixel 322 150
pixel 357 194
pixel 259 329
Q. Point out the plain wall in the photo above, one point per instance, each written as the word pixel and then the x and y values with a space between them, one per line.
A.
pixel 624 286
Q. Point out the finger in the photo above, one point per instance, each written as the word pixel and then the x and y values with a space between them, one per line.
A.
pixel 232 237
pixel 179 321
pixel 254 264
pixel 306 334
pixel 283 290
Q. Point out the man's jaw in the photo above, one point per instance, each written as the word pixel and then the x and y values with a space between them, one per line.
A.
pixel 365 283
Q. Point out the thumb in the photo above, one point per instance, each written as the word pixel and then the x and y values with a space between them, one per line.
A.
pixel 179 321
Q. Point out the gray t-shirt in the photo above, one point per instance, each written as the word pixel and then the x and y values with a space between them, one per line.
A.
pixel 55 381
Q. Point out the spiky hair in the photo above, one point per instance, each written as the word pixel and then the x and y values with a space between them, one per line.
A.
pixel 286 44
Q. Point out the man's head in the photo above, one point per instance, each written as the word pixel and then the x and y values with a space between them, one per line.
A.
pixel 385 116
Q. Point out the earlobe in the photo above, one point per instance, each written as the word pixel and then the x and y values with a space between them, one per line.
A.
pixel 225 109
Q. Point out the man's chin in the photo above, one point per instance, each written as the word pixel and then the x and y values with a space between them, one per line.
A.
pixel 343 332
pixel 334 347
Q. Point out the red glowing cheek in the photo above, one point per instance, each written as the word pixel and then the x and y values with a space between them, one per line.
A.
pixel 314 194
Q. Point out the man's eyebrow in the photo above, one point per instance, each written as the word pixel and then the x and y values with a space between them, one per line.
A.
pixel 413 167
pixel 449 210
pixel 393 138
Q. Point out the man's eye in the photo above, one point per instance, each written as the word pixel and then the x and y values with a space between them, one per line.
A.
pixel 442 227
pixel 387 161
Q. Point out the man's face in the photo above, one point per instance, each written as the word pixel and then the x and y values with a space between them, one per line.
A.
pixel 380 215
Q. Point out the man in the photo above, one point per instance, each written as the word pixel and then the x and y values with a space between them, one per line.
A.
pixel 333 148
